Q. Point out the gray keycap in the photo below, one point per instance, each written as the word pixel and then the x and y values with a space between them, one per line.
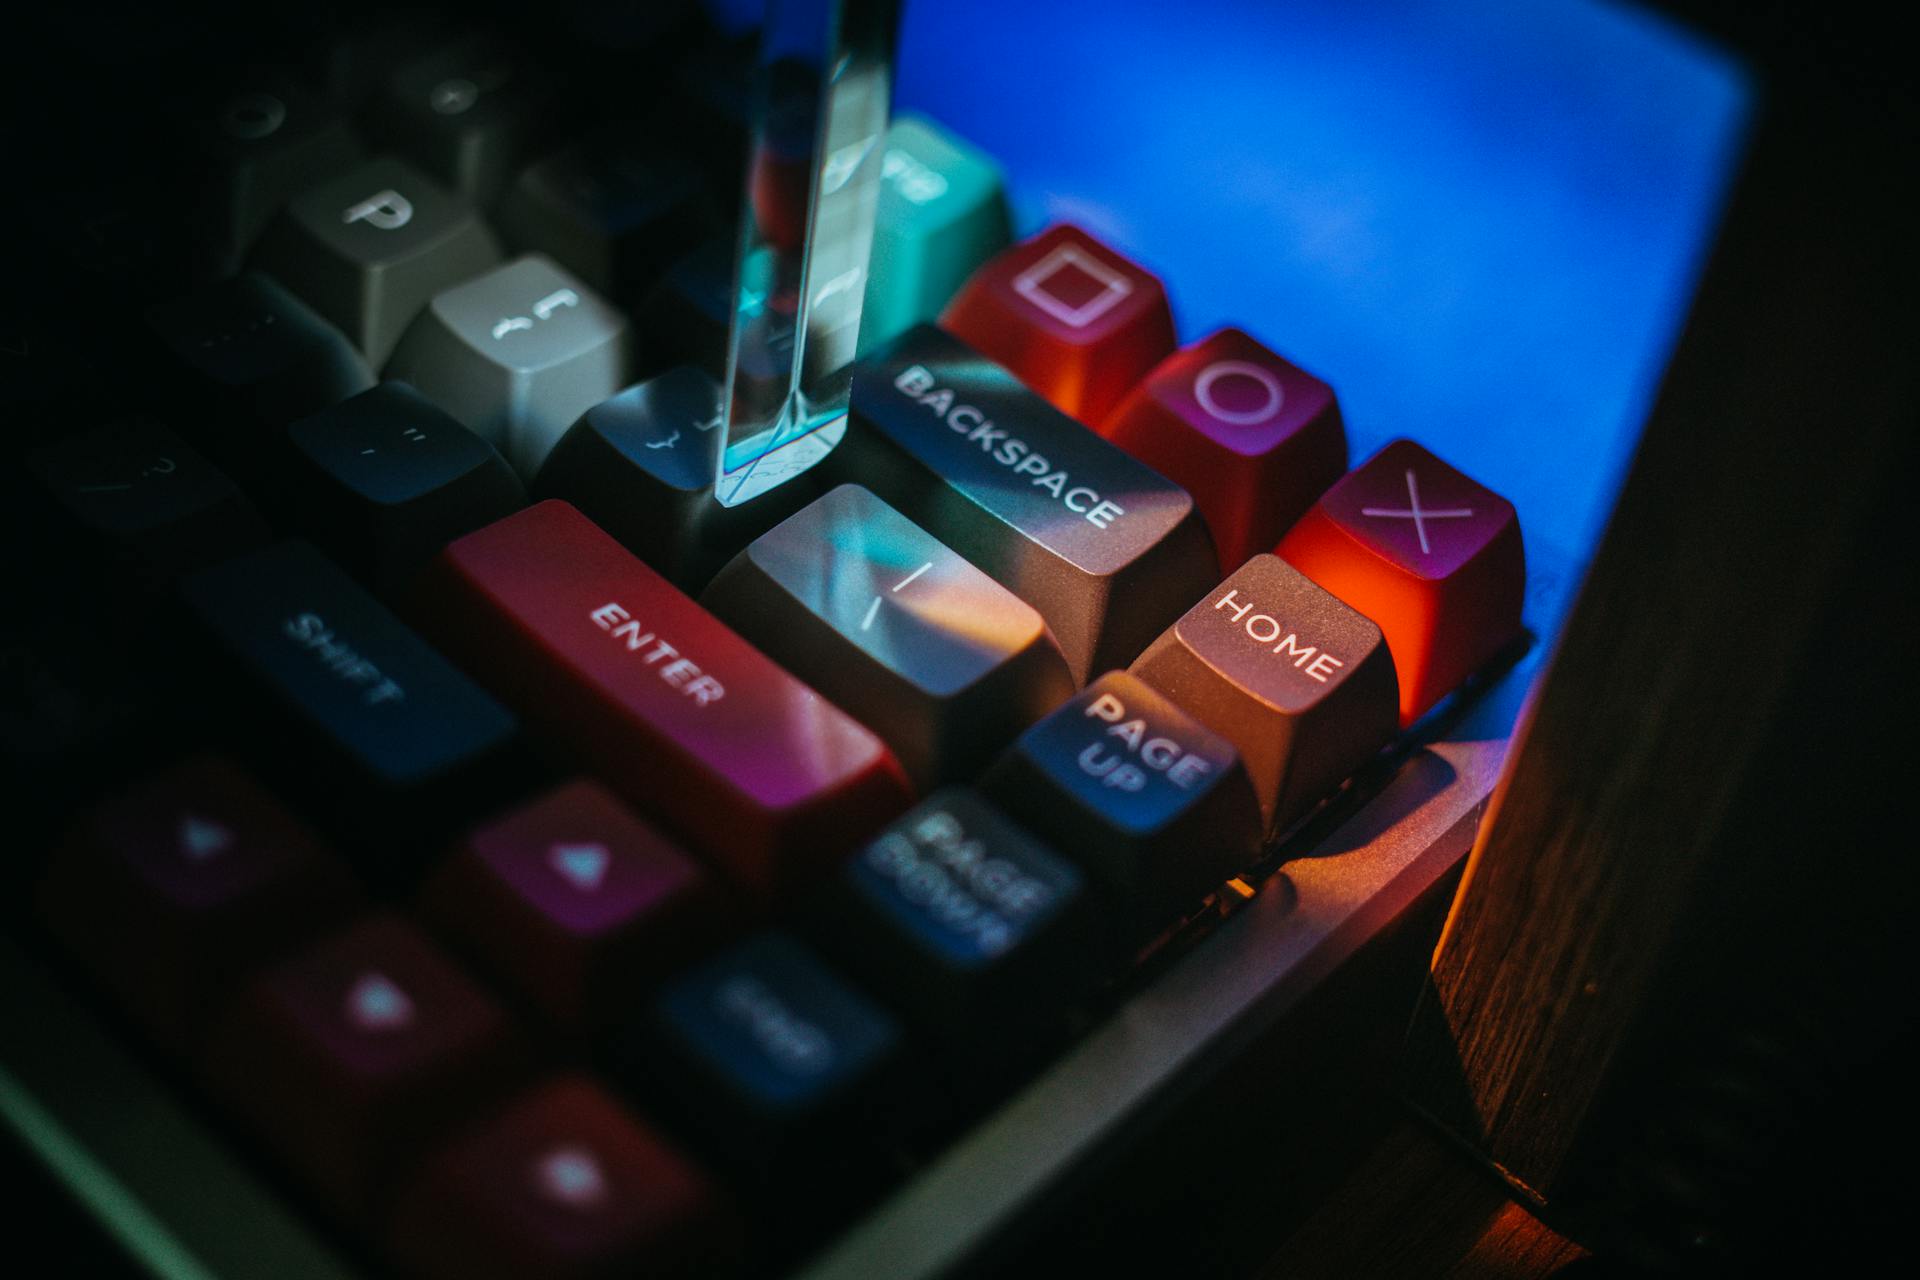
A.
pixel 1107 550
pixel 369 249
pixel 517 355
pixel 896 628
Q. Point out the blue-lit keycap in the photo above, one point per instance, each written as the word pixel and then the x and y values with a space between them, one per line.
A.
pixel 518 354
pixel 965 923
pixel 1156 806
pixel 770 1052
pixel 391 479
pixel 942 213
pixel 896 628
pixel 347 703
pixel 641 466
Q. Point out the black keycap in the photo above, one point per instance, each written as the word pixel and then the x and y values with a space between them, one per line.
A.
pixel 615 209
pixel 389 479
pixel 775 1061
pixel 897 630
pixel 1298 681
pixel 641 466
pixel 1108 551
pixel 247 357
pixel 261 140
pixel 344 701
pixel 684 318
pixel 368 249
pixel 466 113
pixel 1154 804
pixel 966 925
pixel 146 500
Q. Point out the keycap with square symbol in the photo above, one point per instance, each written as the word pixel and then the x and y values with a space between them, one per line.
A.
pixel 642 466
pixel 516 354
pixel 1156 805
pixel 1300 683
pixel 387 479
pixel 1253 437
pixel 1432 556
pixel 574 902
pixel 369 249
pixel 562 1182
pixel 1078 323
pixel 900 631
pixel 173 890
pixel 1109 551
pixel 348 1057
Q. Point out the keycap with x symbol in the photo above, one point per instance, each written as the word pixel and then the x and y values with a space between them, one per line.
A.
pixel 1432 556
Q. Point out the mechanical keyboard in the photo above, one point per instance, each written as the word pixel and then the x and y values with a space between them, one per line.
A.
pixel 478 852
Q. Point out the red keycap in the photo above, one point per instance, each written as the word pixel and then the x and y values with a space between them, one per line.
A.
pixel 1432 557
pixel 563 1184
pixel 1076 321
pixel 349 1057
pixel 575 902
pixel 174 891
pixel 671 709
pixel 1253 438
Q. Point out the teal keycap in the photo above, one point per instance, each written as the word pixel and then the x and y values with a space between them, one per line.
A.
pixel 942 213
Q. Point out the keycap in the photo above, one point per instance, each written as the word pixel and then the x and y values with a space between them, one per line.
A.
pixel 1254 438
pixel 563 1183
pixel 388 479
pixel 940 660
pixel 1107 550
pixel 347 1058
pixel 676 713
pixel 1156 806
pixel 942 212
pixel 616 209
pixel 172 891
pixel 516 354
pixel 769 1057
pixel 148 502
pixel 1077 322
pixel 466 113
pixel 260 140
pixel 1300 683
pixel 575 903
pixel 369 249
pixel 1432 556
pixel 247 358
pixel 352 705
pixel 684 318
pixel 642 466
pixel 965 924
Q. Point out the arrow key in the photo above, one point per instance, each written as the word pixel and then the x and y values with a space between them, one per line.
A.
pixel 574 902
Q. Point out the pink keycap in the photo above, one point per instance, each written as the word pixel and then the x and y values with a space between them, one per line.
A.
pixel 173 892
pixel 575 902
pixel 349 1056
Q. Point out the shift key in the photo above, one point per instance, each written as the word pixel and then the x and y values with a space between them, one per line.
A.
pixel 349 705
pixel 613 665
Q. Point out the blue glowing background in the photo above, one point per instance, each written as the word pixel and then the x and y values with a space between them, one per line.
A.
pixel 1480 220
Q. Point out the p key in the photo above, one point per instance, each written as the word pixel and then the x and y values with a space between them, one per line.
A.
pixel 932 654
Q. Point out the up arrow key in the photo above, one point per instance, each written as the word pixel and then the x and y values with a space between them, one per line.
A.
pixel 583 866
pixel 201 838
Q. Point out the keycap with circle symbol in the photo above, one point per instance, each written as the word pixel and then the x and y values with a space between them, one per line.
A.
pixel 1252 436
pixel 466 113
pixel 1431 555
